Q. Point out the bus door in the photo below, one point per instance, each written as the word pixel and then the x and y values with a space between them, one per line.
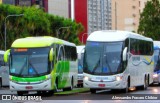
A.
pixel 61 67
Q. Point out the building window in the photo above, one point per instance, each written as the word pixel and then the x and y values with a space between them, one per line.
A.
pixel 8 2
pixel 25 2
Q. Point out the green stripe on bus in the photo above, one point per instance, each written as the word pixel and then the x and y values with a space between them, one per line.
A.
pixel 32 79
pixel 63 71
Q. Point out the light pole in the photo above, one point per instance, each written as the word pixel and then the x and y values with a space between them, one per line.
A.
pixel 62 28
pixel 5 27
pixel 83 36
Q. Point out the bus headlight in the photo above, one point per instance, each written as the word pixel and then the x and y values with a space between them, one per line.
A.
pixel 48 77
pixel 155 75
pixel 86 78
pixel 118 78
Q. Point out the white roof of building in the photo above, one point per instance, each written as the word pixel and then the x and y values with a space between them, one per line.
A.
pixel 113 35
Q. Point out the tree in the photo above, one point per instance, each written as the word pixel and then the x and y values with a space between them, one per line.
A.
pixel 150 20
pixel 35 22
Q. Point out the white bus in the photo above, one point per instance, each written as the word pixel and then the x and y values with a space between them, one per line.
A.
pixel 117 60
pixel 156 75
pixel 80 53
pixel 4 71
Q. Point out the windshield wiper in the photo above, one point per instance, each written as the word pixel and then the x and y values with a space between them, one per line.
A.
pixel 96 66
pixel 108 66
pixel 22 69
pixel 33 68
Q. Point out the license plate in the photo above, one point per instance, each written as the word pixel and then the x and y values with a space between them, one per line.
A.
pixel 101 85
pixel 29 87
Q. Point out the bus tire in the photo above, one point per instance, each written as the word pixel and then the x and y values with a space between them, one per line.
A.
pixel 50 92
pixel 0 82
pixel 148 79
pixel 39 92
pixel 145 83
pixel 72 84
pixel 126 90
pixel 93 91
pixel 82 85
pixel 56 85
pixel 20 93
pixel 71 87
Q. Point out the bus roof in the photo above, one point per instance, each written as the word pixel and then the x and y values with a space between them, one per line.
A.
pixel 2 52
pixel 43 41
pixel 156 45
pixel 114 35
pixel 80 48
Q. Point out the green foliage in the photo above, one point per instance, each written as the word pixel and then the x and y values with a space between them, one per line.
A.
pixel 35 22
pixel 150 20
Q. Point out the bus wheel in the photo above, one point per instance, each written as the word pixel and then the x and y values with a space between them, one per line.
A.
pixel 69 88
pixel 39 92
pixel 145 83
pixel 93 91
pixel 56 86
pixel 126 90
pixel 72 84
pixel 82 85
pixel 50 92
pixel 0 82
pixel 20 93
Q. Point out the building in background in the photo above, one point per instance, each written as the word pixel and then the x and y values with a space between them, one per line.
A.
pixel 12 2
pixel 59 7
pixel 81 16
pixel 38 3
pixel 93 14
pixel 126 14
pixel 99 15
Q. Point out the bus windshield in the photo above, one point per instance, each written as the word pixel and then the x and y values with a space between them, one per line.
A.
pixel 29 62
pixel 103 58
pixel 80 64
pixel 157 61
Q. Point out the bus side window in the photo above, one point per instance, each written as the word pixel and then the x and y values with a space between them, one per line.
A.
pixel 61 53
pixel 2 63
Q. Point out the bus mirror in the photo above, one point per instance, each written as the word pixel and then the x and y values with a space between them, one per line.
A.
pixel 51 55
pixel 125 54
pixel 6 56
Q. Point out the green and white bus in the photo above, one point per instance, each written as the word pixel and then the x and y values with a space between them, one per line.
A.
pixel 42 64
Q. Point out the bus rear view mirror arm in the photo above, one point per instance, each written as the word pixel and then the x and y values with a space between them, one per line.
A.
pixel 6 56
pixel 51 55
pixel 125 54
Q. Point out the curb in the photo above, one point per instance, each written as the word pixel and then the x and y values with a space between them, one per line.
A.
pixel 82 90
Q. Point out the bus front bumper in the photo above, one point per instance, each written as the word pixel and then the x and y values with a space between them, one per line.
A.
pixel 42 86
pixel 105 85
